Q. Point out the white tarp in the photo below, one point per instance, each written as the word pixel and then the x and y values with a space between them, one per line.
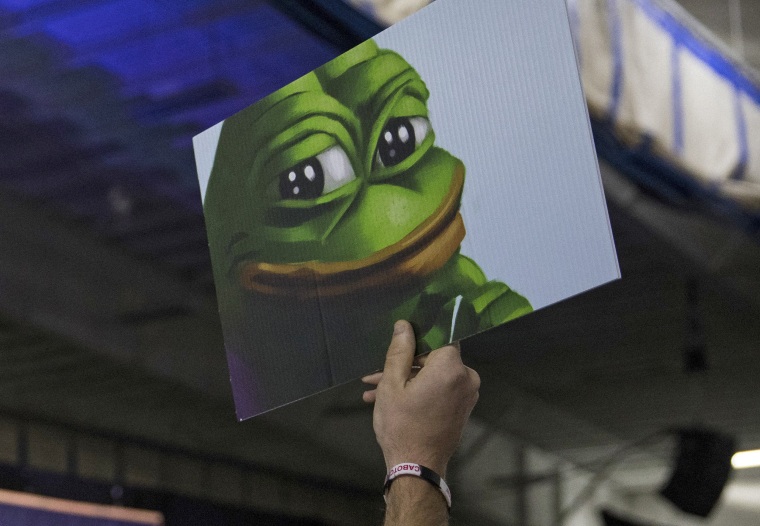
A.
pixel 389 11
pixel 656 75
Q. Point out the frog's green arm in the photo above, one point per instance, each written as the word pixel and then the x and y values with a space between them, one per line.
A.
pixel 500 305
pixel 494 302
pixel 483 304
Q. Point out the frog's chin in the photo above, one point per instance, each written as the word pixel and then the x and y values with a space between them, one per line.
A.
pixel 420 253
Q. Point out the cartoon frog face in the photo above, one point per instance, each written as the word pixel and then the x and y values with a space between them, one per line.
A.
pixel 334 182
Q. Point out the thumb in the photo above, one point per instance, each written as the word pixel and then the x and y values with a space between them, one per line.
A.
pixel 398 361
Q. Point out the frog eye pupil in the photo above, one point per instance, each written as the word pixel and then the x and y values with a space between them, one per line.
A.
pixel 304 181
pixel 397 141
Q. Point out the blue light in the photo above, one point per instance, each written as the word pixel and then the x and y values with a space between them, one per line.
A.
pixel 21 5
pixel 109 21
pixel 165 65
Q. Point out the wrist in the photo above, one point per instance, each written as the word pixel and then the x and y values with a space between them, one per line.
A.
pixel 437 464
pixel 417 473
pixel 438 468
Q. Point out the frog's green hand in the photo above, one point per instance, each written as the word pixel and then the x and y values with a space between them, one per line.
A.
pixel 496 303
pixel 489 305
pixel 470 304
pixel 493 302
pixel 457 317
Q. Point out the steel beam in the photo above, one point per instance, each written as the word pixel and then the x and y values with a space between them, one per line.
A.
pixel 333 20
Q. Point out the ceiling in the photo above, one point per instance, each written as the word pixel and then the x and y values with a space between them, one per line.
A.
pixel 108 320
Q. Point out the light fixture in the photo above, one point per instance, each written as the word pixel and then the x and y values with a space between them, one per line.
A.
pixel 746 459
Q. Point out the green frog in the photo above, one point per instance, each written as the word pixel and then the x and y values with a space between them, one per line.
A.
pixel 331 214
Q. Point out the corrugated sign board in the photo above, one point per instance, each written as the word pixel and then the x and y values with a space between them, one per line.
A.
pixel 443 172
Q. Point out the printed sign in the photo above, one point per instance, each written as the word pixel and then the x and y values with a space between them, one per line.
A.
pixel 442 173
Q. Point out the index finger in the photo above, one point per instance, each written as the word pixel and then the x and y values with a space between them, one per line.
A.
pixel 450 353
pixel 398 361
pixel 420 359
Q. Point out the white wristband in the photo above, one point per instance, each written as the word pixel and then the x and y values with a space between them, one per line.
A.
pixel 416 470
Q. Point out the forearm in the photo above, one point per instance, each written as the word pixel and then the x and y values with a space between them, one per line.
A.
pixel 412 501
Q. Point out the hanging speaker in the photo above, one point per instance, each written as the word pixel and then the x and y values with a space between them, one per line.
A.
pixel 702 467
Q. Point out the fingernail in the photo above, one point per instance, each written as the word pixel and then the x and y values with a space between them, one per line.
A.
pixel 399 327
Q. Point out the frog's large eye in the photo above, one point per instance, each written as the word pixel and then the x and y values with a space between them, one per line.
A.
pixel 317 175
pixel 400 138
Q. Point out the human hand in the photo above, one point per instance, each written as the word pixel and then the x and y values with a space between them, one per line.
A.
pixel 420 413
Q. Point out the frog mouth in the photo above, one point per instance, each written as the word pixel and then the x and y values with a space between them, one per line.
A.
pixel 420 253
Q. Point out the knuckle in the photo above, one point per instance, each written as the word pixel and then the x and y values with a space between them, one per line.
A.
pixel 445 354
pixel 450 352
pixel 475 379
pixel 395 351
pixel 399 347
pixel 459 377
pixel 395 355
